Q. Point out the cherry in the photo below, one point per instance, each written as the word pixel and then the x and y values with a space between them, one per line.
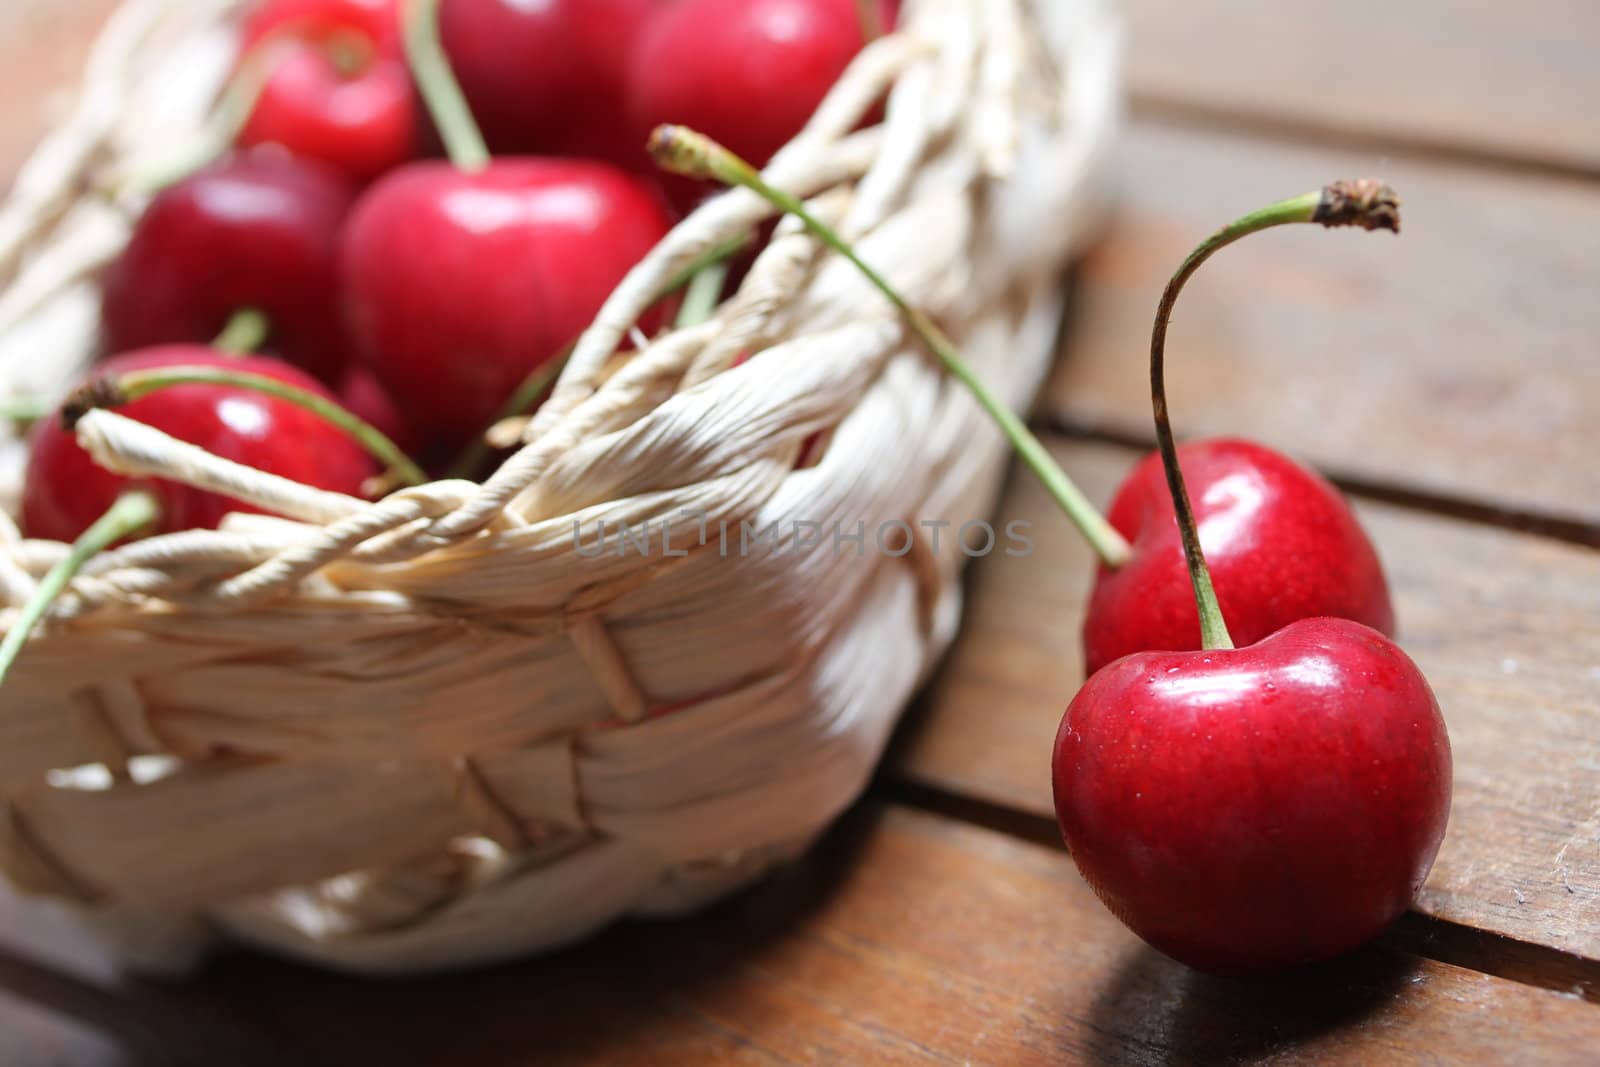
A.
pixel 460 284
pixel 1282 544
pixel 364 396
pixel 337 88
pixel 1243 809
pixel 1265 806
pixel 550 77
pixel 259 230
pixel 64 491
pixel 463 279
pixel 747 73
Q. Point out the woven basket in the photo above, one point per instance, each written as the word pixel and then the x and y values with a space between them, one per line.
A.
pixel 442 728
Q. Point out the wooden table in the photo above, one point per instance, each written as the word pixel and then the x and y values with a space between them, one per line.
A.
pixel 1449 380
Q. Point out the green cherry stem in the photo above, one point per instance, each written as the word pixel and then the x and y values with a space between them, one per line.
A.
pixel 871 18
pixel 245 333
pixel 705 291
pixel 131 512
pixel 534 388
pixel 24 410
pixel 116 390
pixel 1365 203
pixel 463 141
pixel 687 152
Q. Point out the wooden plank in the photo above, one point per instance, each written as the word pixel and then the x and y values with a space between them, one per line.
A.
pixel 1494 78
pixel 904 938
pixel 1504 625
pixel 63 1003
pixel 1458 359
pixel 43 47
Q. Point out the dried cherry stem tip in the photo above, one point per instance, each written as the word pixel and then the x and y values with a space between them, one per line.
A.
pixel 115 390
pixel 687 152
pixel 130 513
pixel 1364 203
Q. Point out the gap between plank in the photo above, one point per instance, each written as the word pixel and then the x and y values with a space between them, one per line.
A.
pixel 1554 527
pixel 1301 131
pixel 1433 938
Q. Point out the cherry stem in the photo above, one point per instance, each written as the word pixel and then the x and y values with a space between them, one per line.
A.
pixel 684 151
pixel 24 410
pixel 116 390
pixel 705 292
pixel 534 388
pixel 245 333
pixel 350 52
pixel 130 513
pixel 1365 203
pixel 463 141
pixel 871 19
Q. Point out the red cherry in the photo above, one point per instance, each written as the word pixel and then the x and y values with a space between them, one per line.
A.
pixel 747 73
pixel 548 78
pixel 259 230
pixel 1281 542
pixel 1257 807
pixel 65 491
pixel 339 90
pixel 460 284
pixel 364 396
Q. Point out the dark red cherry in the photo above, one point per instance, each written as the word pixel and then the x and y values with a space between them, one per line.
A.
pixel 65 491
pixel 461 283
pixel 1256 807
pixel 259 230
pixel 339 90
pixel 549 78
pixel 364 396
pixel 747 73
pixel 1281 542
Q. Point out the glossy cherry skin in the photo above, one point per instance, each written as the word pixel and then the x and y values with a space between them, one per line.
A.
pixel 1282 544
pixel 339 90
pixel 64 491
pixel 461 284
pixel 548 78
pixel 1259 807
pixel 747 73
pixel 258 230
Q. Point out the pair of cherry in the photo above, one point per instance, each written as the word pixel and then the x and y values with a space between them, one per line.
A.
pixel 1276 803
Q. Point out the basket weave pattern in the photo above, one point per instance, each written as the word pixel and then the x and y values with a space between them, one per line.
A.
pixel 455 724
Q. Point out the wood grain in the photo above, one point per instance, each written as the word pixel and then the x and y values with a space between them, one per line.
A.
pixel 1488 77
pixel 904 938
pixel 1457 359
pixel 1504 625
